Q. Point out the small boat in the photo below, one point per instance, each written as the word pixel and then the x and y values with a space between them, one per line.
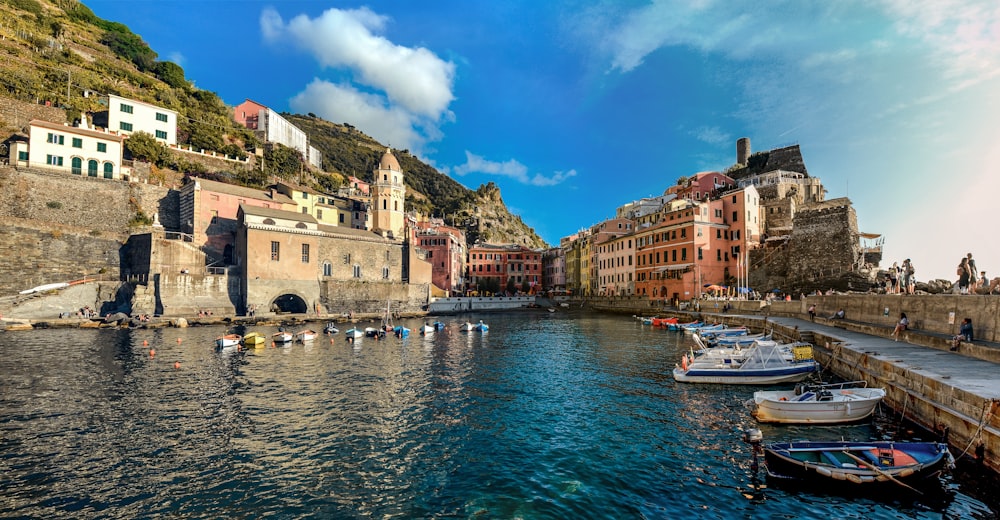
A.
pixel 832 403
pixel 681 326
pixel 467 327
pixel 354 333
pixel 645 320
pixel 305 335
pixel 253 339
pixel 481 327
pixel 663 322
pixel 46 287
pixel 874 464
pixel 431 328
pixel 228 340
pixel 765 363
pixel 330 329
pixel 741 340
pixel 281 337
pixel 372 332
pixel 400 331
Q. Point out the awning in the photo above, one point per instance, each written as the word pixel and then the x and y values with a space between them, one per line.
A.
pixel 869 235
pixel 677 267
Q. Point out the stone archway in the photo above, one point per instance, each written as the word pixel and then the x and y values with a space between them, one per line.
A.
pixel 290 303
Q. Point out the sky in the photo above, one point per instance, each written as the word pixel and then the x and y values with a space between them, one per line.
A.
pixel 574 108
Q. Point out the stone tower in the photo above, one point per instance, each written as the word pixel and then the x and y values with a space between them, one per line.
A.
pixel 388 195
pixel 742 150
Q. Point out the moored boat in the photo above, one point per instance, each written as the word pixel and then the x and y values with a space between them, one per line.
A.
pixel 764 364
pixel 305 335
pixel 467 327
pixel 330 328
pixel 482 327
pixel 354 333
pixel 400 331
pixel 253 339
pixel 872 463
pixel 281 337
pixel 832 403
pixel 228 340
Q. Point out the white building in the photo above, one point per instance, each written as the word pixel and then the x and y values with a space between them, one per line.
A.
pixel 129 116
pixel 74 150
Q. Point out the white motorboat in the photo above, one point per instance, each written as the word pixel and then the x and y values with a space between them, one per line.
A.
pixel 228 340
pixel 305 335
pixel 281 337
pixel 818 404
pixel 354 333
pixel 764 364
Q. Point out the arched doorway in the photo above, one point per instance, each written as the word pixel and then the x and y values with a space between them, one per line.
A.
pixel 92 168
pixel 289 303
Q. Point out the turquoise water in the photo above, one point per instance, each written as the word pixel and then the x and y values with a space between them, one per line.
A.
pixel 563 415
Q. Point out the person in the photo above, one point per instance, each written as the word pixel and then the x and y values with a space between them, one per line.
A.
pixel 963 276
pixel 902 325
pixel 964 334
pixel 812 312
pixel 973 281
pixel 893 277
pixel 839 315
pixel 908 281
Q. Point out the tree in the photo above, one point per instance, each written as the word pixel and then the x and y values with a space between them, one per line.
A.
pixel 171 73
pixel 283 161
pixel 143 146
pixel 510 286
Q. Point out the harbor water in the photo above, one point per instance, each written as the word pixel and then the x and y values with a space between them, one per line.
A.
pixel 557 415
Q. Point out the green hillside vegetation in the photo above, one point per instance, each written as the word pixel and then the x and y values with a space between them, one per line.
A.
pixel 59 52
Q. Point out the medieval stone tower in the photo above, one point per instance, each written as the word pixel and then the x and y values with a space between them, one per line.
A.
pixel 388 195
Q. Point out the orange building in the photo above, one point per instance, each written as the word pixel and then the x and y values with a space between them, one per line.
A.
pixel 494 268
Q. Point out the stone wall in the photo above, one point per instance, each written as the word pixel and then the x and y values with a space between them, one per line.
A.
pixel 17 114
pixel 363 297
pixel 34 253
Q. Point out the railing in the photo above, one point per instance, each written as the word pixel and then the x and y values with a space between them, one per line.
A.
pixel 177 235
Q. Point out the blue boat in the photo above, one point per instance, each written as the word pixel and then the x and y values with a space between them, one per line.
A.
pixel 765 363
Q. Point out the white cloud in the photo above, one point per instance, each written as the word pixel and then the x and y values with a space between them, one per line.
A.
pixel 511 168
pixel 712 135
pixel 412 86
pixel 345 104
pixel 413 77
pixel 176 57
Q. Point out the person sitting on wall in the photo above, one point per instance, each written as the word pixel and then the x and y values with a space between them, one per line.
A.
pixel 839 315
pixel 964 334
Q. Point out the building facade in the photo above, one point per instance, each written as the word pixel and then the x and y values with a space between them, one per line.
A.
pixel 72 150
pixel 128 116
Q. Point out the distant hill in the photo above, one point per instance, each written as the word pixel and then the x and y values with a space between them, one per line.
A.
pixel 58 52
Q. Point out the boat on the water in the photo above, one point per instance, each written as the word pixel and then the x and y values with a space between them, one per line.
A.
pixel 354 333
pixel 663 322
pixel 870 464
pixel 228 340
pixel 330 328
pixel 765 363
pixel 482 327
pixel 430 328
pixel 253 339
pixel 281 337
pixel 400 331
pixel 305 335
pixel 832 403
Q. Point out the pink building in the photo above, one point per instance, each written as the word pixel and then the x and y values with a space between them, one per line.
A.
pixel 446 252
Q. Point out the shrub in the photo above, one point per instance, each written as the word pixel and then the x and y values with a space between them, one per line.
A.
pixel 54 204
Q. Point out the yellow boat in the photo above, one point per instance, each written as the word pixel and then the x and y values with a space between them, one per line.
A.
pixel 253 339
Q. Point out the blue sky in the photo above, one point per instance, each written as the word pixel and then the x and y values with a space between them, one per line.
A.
pixel 575 107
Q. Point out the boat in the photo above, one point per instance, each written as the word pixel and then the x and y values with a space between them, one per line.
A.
pixel 431 328
pixel 372 332
pixel 467 327
pixel 645 320
pixel 46 287
pixel 400 331
pixel 253 339
pixel 228 340
pixel 871 464
pixel 305 335
pixel 330 329
pixel 680 326
pixel 352 334
pixel 764 364
pixel 481 327
pixel 281 337
pixel 663 322
pixel 742 340
pixel 831 403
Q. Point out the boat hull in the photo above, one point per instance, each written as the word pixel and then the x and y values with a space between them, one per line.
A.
pixel 282 337
pixel 229 340
pixel 734 376
pixel 253 339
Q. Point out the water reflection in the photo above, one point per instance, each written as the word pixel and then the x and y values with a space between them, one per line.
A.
pixel 566 415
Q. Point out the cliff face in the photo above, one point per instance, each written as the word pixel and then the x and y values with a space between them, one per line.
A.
pixel 488 221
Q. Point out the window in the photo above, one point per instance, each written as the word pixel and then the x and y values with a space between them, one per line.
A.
pixel 53 160
pixel 161 117
pixel 341 218
pixel 327 269
pixel 275 251
pixel 305 210
pixel 56 139
pixel 735 215
pixel 385 273
pixel 319 214
pixel 699 254
pixel 357 271
pixel 77 142
pixel 125 126
pixel 76 166
pixel 160 134
pixel 22 156
pixel 102 147
pixel 109 171
pixel 305 253
pixel 126 108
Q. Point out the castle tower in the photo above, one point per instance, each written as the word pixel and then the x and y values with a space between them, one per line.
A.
pixel 388 195
pixel 742 150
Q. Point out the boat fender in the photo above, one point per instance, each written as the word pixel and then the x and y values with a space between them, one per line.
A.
pixel 783 399
pixel 848 409
pixel 854 478
pixel 684 362
pixel 904 473
pixel 838 475
pixel 882 477
pixel 824 471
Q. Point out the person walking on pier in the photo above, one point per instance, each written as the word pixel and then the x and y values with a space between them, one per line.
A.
pixel 973 281
pixel 963 273
pixel 909 282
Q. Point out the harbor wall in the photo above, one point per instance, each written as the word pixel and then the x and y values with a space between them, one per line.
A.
pixel 454 305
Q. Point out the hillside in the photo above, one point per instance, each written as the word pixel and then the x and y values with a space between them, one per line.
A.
pixel 57 53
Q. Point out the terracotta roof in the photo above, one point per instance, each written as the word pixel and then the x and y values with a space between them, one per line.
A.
pixel 277 213
pixel 242 191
